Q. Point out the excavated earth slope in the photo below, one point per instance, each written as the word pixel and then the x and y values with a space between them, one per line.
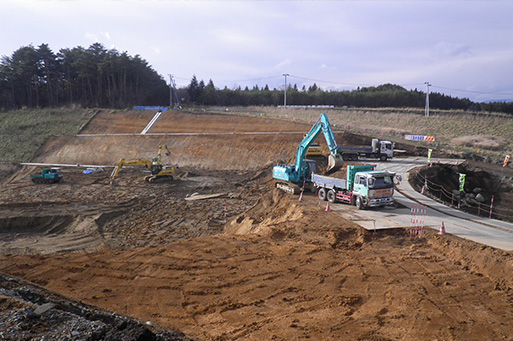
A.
pixel 244 261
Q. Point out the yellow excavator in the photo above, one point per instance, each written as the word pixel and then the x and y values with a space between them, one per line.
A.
pixel 314 149
pixel 158 170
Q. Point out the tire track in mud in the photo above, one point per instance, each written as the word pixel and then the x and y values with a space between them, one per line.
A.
pixel 435 292
pixel 271 285
pixel 85 213
pixel 454 298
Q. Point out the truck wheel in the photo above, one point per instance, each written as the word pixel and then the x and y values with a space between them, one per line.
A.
pixel 322 194
pixel 383 158
pixel 359 203
pixel 331 196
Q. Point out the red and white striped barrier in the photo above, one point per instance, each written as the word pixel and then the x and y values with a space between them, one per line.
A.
pixel 491 208
pixel 225 216
pixel 417 218
pixel 302 190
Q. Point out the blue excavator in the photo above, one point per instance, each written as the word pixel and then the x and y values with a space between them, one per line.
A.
pixel 291 178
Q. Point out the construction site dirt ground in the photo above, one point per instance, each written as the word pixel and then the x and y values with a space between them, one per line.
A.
pixel 217 253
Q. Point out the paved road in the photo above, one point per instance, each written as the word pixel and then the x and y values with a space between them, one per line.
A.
pixel 486 231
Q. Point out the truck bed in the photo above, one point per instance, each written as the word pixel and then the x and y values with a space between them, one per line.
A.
pixel 328 181
pixel 355 149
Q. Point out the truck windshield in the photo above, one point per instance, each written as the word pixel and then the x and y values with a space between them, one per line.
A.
pixel 381 182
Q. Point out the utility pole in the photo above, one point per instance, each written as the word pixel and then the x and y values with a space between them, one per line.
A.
pixel 285 96
pixel 170 91
pixel 427 99
pixel 171 88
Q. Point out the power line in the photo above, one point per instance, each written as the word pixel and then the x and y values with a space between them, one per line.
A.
pixel 474 92
pixel 239 80
pixel 352 84
pixel 325 81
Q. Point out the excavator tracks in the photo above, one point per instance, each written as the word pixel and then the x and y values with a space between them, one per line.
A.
pixel 154 178
pixel 45 181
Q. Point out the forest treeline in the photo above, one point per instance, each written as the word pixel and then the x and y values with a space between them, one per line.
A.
pixel 98 77
pixel 92 77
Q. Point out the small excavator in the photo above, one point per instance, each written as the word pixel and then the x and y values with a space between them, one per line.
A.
pixel 158 170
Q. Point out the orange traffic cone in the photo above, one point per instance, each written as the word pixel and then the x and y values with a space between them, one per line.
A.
pixel 301 196
pixel 442 229
pixel 328 208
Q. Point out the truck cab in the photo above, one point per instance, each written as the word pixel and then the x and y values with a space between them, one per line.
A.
pixel 385 148
pixel 382 150
pixel 373 188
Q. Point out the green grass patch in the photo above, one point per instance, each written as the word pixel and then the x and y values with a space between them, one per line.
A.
pixel 23 132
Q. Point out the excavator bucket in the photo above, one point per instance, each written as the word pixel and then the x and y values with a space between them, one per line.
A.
pixel 335 162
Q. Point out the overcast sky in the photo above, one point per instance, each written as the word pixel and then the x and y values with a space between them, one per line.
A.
pixel 462 48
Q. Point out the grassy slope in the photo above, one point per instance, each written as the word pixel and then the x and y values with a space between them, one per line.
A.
pixel 486 134
pixel 23 132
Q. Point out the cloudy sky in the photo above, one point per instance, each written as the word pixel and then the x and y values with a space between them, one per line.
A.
pixel 462 48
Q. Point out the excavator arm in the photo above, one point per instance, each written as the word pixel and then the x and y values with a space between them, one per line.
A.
pixel 159 155
pixel 128 162
pixel 334 161
pixel 328 135
pixel 297 172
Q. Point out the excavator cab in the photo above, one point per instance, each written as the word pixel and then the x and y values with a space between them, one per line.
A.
pixel 156 168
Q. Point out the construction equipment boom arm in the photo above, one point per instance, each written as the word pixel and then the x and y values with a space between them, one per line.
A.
pixel 323 125
pixel 300 171
pixel 124 162
pixel 161 148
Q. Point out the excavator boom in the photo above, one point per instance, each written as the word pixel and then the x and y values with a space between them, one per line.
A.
pixel 299 171
pixel 128 162
pixel 158 170
pixel 159 155
pixel 322 125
